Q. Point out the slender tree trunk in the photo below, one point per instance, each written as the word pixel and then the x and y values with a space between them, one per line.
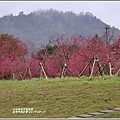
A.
pixel 25 72
pixel 41 72
pixel 99 69
pixel 63 73
pixel 29 72
pixel 20 76
pixel 13 75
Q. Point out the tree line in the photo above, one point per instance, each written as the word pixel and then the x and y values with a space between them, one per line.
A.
pixel 61 57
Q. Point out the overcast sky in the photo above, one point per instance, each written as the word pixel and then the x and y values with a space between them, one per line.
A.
pixel 108 12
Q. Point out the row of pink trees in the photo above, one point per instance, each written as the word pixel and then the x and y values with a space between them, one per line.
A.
pixel 61 57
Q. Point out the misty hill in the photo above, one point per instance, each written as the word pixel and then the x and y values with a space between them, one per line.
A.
pixel 40 25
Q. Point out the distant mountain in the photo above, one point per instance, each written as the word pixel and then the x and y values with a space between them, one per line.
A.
pixel 40 25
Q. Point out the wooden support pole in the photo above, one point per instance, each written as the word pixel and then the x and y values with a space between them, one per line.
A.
pixel 93 67
pixel 117 72
pixel 70 72
pixel 36 71
pixel 85 67
pixel 42 68
pixel 102 70
pixel 110 71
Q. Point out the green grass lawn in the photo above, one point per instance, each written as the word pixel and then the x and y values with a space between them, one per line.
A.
pixel 59 97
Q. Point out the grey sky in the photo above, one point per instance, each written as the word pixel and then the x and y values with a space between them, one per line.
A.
pixel 107 11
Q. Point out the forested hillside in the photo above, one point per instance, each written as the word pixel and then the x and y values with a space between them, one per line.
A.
pixel 40 25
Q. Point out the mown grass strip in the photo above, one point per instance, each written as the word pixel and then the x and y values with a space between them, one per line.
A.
pixel 60 98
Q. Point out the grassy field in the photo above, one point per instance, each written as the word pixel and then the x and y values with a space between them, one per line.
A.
pixel 60 97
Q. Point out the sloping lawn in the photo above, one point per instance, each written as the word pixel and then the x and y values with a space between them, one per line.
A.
pixel 59 97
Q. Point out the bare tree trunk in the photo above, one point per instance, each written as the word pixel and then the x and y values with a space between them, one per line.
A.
pixel 24 73
pixel 13 75
pixel 41 73
pixel 63 73
pixel 99 69
pixel 29 72
pixel 20 76
pixel 43 70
